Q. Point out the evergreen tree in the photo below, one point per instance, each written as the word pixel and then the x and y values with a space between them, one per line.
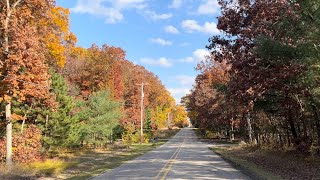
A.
pixel 98 116
pixel 57 123
pixel 147 121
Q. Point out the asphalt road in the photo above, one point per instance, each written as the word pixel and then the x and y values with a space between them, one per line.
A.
pixel 182 157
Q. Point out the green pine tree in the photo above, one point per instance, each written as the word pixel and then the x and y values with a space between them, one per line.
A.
pixel 58 123
pixel 98 116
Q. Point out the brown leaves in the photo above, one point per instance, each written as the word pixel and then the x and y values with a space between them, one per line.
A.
pixel 245 22
pixel 24 70
pixel 26 146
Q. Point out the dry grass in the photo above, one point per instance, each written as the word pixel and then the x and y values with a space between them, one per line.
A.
pixel 81 164
pixel 15 172
pixel 267 162
pixel 95 162
pixel 50 167
pixel 284 164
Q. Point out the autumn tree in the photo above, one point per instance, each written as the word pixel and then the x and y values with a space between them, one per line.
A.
pixel 43 75
pixel 56 38
pixel 208 96
pixel 271 51
pixel 23 72
pixel 95 69
pixel 180 117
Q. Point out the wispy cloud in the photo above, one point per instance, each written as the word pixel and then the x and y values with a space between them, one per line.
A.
pixel 209 7
pixel 122 4
pixel 177 93
pixel 162 62
pixel 201 55
pixel 193 26
pixel 161 41
pixel 198 55
pixel 176 4
pixel 184 44
pixel 154 16
pixel 184 83
pixel 171 29
pixel 185 80
pixel 110 10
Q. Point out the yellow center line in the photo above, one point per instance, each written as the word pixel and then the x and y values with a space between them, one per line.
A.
pixel 170 162
pixel 162 169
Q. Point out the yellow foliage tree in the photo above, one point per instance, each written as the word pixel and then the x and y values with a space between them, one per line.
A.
pixel 180 117
pixel 161 115
pixel 57 37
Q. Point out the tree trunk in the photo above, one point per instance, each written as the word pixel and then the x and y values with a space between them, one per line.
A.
pixel 317 122
pixel 8 135
pixel 232 131
pixel 280 139
pixel 22 125
pixel 249 126
pixel 288 137
pixel 291 123
pixel 8 105
pixel 47 120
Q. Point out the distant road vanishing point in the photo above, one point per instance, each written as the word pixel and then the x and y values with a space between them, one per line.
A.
pixel 182 157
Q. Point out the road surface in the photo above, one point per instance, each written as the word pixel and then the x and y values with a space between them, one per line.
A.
pixel 182 157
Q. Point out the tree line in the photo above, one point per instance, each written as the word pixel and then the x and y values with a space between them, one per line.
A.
pixel 55 94
pixel 261 82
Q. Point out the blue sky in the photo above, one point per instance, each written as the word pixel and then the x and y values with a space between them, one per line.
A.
pixel 168 37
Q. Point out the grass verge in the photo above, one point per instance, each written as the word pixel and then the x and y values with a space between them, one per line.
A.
pixel 249 168
pixel 93 163
pixel 264 162
pixel 229 151
pixel 82 164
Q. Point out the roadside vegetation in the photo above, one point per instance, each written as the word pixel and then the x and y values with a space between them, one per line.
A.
pixel 260 87
pixel 260 163
pixel 85 163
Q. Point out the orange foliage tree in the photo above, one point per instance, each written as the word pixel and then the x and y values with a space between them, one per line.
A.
pixel 23 72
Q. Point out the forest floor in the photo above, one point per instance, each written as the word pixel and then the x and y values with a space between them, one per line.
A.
pixel 76 165
pixel 265 162
pixel 271 164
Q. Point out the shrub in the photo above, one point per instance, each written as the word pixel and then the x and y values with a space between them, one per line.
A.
pixel 26 147
pixel 128 133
